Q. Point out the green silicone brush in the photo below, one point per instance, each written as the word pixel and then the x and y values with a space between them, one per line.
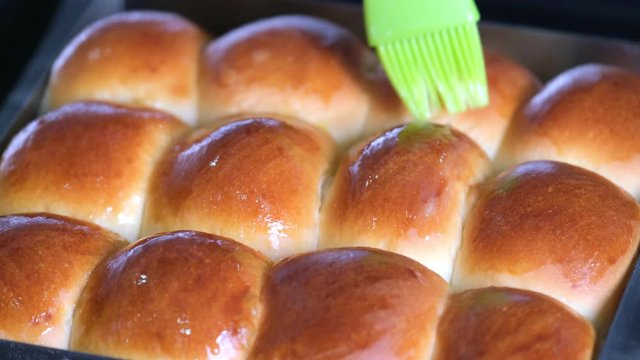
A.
pixel 431 51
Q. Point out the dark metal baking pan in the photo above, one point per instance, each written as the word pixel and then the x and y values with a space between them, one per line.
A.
pixel 546 53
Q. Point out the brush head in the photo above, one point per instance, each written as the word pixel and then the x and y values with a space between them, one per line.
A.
pixel 432 53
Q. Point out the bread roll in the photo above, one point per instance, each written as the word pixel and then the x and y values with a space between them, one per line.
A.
pixel 289 66
pixel 553 228
pixel 587 116
pixel 405 191
pixel 175 295
pixel 86 160
pixel 141 58
pixel 257 180
pixel 504 323
pixel 353 303
pixel 45 261
pixel 510 85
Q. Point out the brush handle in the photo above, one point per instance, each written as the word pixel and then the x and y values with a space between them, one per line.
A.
pixel 392 20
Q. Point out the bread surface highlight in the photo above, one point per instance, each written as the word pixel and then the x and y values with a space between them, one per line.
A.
pixel 45 261
pixel 587 116
pixel 174 295
pixel 554 228
pixel 139 58
pixel 87 160
pixel 405 191
pixel 505 323
pixel 349 303
pixel 257 180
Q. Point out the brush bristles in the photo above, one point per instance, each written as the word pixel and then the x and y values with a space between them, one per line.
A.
pixel 437 71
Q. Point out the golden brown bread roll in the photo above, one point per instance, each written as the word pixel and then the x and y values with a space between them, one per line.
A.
pixel 405 191
pixel 174 295
pixel 510 86
pixel 45 261
pixel 587 116
pixel 352 303
pixel 504 323
pixel 141 58
pixel 86 160
pixel 257 180
pixel 553 228
pixel 291 66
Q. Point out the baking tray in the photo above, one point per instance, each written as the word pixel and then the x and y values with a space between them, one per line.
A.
pixel 544 52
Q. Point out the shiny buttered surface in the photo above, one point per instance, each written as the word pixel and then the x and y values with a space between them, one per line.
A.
pixel 587 116
pixel 553 228
pixel 405 191
pixel 243 229
pixel 507 323
pixel 45 261
pixel 175 295
pixel 255 180
pixel 88 160
pixel 349 303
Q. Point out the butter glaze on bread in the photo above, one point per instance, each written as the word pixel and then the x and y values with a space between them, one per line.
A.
pixel 86 160
pixel 140 58
pixel 405 191
pixel 505 323
pixel 45 261
pixel 294 67
pixel 553 228
pixel 257 180
pixel 350 303
pixel 587 116
pixel 174 295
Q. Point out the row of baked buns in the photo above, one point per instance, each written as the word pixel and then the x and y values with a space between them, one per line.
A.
pixel 546 226
pixel 186 294
pixel 287 66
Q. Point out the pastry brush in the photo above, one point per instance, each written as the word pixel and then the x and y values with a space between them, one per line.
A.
pixel 431 51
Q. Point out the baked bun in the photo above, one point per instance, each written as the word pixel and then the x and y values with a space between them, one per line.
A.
pixel 587 116
pixel 86 160
pixel 405 191
pixel 553 228
pixel 352 303
pixel 289 66
pixel 141 58
pixel 510 86
pixel 45 261
pixel 175 295
pixel 257 180
pixel 504 323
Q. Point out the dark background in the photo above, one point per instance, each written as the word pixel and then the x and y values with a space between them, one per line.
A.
pixel 22 23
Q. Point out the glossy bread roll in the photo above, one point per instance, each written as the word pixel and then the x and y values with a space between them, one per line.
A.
pixel 257 180
pixel 175 295
pixel 289 66
pixel 405 191
pixel 510 86
pixel 86 160
pixel 141 58
pixel 45 261
pixel 588 116
pixel 353 303
pixel 504 323
pixel 553 228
